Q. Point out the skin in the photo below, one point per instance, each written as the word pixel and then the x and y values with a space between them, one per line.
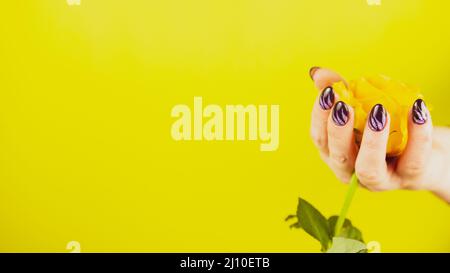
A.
pixel 424 165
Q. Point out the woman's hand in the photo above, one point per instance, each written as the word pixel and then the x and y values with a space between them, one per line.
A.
pixel 424 164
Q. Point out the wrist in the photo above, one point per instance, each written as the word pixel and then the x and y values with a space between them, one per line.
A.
pixel 439 170
pixel 440 182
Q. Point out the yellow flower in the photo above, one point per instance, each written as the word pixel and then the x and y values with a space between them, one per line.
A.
pixel 397 97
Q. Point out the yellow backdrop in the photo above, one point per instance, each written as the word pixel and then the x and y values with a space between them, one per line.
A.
pixel 85 97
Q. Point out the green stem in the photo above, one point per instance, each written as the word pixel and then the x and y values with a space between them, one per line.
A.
pixel 348 200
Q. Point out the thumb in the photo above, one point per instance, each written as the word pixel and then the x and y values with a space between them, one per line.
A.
pixel 324 77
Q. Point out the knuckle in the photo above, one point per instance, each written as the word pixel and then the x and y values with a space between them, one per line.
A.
pixel 319 140
pixel 414 168
pixel 368 176
pixel 424 138
pixel 375 188
pixel 340 159
pixel 411 184
pixel 371 144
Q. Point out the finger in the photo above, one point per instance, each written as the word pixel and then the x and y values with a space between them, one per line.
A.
pixel 370 166
pixel 418 150
pixel 341 141
pixel 319 118
pixel 324 77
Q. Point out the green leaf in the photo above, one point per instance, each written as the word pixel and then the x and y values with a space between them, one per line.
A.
pixel 294 225
pixel 347 231
pixel 289 217
pixel 314 223
pixel 345 245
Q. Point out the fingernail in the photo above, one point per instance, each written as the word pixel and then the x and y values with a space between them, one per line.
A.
pixel 419 112
pixel 377 118
pixel 326 99
pixel 340 113
pixel 313 70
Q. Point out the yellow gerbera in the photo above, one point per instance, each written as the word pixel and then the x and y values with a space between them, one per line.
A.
pixel 397 97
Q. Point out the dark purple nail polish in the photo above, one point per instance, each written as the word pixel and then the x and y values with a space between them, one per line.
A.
pixel 377 118
pixel 340 114
pixel 313 70
pixel 419 112
pixel 326 99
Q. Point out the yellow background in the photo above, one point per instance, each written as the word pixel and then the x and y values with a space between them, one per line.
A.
pixel 85 99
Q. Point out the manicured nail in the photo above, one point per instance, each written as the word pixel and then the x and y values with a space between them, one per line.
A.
pixel 326 99
pixel 419 112
pixel 377 118
pixel 313 70
pixel 340 113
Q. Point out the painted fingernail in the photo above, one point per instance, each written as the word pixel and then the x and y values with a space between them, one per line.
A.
pixel 313 70
pixel 377 118
pixel 326 99
pixel 419 112
pixel 340 113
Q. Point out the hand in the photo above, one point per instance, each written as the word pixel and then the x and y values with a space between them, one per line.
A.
pixel 424 164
